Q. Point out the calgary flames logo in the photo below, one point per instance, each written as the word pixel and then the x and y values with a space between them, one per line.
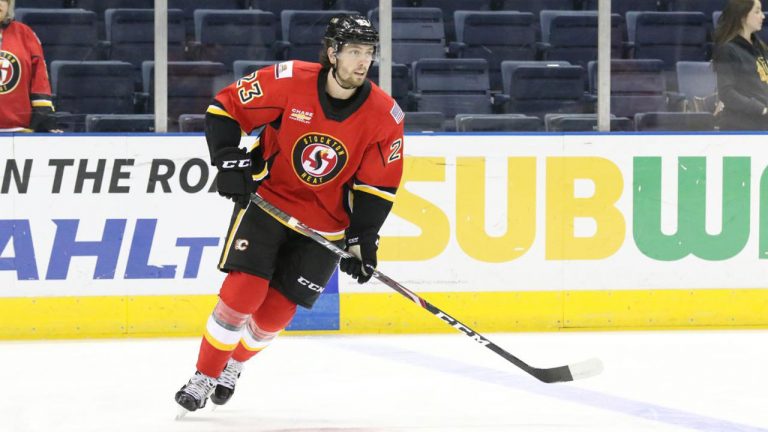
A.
pixel 318 158
pixel 10 72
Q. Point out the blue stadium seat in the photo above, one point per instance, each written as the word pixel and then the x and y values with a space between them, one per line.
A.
pixel 93 87
pixel 416 121
pixel 43 4
pixel 242 68
pixel 131 35
pixel 621 7
pixel 66 34
pixel 192 123
pixel 697 81
pixel 704 6
pixel 636 86
pixel 675 121
pixel 451 86
pixel 498 123
pixel 131 123
pixel 416 33
pixel 188 8
pixel 99 7
pixel 477 36
pixel 537 88
pixel 226 36
pixel 365 6
pixel 401 82
pixel 572 36
pixel 277 6
pixel 191 86
pixel 668 36
pixel 303 32
pixel 584 123
pixel 536 6
pixel 707 7
pixel 450 6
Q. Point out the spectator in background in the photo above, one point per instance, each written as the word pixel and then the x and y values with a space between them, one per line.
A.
pixel 740 64
pixel 25 92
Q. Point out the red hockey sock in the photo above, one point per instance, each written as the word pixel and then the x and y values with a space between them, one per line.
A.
pixel 265 324
pixel 240 295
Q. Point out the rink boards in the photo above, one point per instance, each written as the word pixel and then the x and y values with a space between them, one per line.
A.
pixel 106 235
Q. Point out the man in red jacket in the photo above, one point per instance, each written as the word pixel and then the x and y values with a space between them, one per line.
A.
pixel 331 155
pixel 25 92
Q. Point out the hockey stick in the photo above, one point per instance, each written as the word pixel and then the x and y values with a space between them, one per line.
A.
pixel 583 369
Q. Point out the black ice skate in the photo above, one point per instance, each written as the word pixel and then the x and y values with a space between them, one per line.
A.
pixel 194 394
pixel 225 385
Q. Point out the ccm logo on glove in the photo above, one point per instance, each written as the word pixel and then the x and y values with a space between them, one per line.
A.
pixel 229 164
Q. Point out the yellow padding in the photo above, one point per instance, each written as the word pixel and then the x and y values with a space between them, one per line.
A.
pixel 491 311
pixel 186 315
pixel 556 310
pixel 97 317
pixel 653 309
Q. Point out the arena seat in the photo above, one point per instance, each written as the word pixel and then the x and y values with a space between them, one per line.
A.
pixel 477 36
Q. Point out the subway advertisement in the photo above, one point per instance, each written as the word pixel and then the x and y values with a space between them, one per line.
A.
pixel 112 236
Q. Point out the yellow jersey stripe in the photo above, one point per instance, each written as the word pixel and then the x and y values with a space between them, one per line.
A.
pixel 213 109
pixel 260 176
pixel 42 103
pixel 375 191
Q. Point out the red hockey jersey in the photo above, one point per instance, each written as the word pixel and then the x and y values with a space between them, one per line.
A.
pixel 23 77
pixel 317 152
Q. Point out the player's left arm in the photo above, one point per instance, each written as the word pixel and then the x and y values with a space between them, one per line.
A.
pixel 375 186
pixel 372 195
pixel 40 92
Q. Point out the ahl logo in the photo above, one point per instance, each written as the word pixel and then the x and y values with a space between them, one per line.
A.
pixel 301 116
pixel 241 244
pixel 318 158
pixel 10 72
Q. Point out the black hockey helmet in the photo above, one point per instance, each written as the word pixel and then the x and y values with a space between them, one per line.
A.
pixel 344 29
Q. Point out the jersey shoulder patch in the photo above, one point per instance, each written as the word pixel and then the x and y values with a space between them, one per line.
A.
pixel 396 112
pixel 284 70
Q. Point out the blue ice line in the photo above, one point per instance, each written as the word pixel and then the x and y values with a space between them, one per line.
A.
pixel 564 392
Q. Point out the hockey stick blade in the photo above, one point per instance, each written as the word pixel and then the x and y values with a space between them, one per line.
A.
pixel 579 370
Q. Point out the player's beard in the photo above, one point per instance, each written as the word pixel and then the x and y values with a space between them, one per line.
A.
pixel 351 80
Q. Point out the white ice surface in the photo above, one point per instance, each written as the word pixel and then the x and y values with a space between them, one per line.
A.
pixel 661 382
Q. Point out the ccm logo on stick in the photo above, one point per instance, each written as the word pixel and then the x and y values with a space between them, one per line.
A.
pixel 460 327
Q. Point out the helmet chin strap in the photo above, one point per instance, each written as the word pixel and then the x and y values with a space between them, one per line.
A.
pixel 333 71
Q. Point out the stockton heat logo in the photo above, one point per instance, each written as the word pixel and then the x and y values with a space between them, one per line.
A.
pixel 318 158
pixel 10 72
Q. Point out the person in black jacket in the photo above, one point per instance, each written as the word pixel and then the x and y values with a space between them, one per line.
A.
pixel 740 64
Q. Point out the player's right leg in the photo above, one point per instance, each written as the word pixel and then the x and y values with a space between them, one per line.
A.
pixel 240 295
pixel 253 243
pixel 272 317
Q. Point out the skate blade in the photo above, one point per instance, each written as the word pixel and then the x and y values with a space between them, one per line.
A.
pixel 181 413
pixel 214 406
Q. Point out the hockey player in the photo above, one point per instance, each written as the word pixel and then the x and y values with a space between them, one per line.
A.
pixel 331 155
pixel 25 92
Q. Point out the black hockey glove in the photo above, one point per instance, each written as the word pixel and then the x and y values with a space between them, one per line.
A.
pixel 364 249
pixel 234 180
